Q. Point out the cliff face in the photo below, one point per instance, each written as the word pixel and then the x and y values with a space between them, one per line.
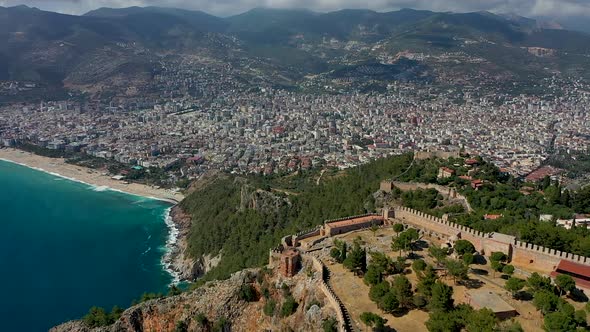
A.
pixel 260 200
pixel 190 268
pixel 220 301
pixel 179 260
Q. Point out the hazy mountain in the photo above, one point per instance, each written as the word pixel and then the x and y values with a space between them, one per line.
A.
pixel 54 48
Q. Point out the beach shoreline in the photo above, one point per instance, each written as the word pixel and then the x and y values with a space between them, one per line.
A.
pixel 89 176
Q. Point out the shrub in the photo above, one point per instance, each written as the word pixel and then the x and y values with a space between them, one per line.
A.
pixel 419 265
pixel 181 326
pixel 269 308
pixel 220 325
pixel 247 293
pixel 289 306
pixel 329 325
pixel 201 319
pixel 419 301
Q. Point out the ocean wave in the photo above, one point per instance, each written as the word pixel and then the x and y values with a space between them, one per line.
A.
pixel 100 188
pixel 146 251
pixel 171 246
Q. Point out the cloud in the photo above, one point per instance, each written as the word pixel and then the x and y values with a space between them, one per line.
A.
pixel 552 8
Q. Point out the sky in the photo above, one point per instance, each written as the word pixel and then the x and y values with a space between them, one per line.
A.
pixel 530 8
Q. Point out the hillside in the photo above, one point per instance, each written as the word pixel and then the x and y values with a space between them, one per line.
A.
pixel 63 52
pixel 240 303
pixel 242 218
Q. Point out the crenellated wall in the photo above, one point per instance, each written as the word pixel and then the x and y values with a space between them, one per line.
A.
pixel 329 293
pixel 523 253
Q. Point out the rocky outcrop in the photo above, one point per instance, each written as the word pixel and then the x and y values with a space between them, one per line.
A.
pixel 178 259
pixel 261 200
pixel 220 301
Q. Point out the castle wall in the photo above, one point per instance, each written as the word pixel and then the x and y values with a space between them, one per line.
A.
pixel 329 293
pixel 336 227
pixel 522 253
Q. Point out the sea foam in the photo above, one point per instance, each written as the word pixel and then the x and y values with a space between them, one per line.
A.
pixel 171 247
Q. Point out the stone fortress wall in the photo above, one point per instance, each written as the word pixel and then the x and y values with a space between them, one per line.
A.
pixel 534 256
pixel 275 255
pixel 447 192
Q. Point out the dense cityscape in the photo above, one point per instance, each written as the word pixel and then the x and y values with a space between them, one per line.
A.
pixel 273 131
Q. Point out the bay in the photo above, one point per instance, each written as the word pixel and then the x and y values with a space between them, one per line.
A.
pixel 66 246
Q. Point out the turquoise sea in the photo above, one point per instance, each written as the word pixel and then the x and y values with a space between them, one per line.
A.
pixel 66 246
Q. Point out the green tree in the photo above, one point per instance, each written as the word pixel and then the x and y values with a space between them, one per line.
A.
pixel 419 301
pixel 498 256
pixel 508 269
pixel 381 263
pixel 418 265
pixel 398 228
pixel 514 285
pixel 457 269
pixel 404 241
pixel 442 321
pixel 468 258
pixel 463 247
pixel 356 261
pixel 580 317
pixel 339 251
pixel 439 254
pixel 402 288
pixel 545 301
pixel 536 282
pixel 373 275
pixel 442 297
pixel 96 317
pixel 565 283
pixel 559 321
pixel 372 320
pixel 496 266
pixel 116 313
pixel 426 281
pixel 483 320
pixel 389 302
pixel 376 292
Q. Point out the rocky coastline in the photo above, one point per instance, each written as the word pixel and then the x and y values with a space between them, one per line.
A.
pixel 178 261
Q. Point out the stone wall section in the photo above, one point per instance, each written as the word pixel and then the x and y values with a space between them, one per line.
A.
pixel 538 257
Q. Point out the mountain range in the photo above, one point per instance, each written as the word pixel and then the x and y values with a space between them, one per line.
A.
pixel 76 52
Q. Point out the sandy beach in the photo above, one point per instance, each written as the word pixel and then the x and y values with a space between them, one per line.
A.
pixel 90 176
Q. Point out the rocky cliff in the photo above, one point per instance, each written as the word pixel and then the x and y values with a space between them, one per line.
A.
pixel 219 303
pixel 178 260
pixel 260 200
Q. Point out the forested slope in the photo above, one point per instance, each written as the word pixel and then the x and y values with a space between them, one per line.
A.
pixel 245 217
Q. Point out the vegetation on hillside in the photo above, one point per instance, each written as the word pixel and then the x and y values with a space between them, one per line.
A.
pixel 244 235
pixel 519 204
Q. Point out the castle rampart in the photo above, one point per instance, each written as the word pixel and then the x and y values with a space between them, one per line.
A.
pixel 538 257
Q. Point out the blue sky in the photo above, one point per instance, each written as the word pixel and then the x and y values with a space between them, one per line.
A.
pixel 531 8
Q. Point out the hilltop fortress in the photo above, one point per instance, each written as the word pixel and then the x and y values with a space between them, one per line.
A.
pixel 530 256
